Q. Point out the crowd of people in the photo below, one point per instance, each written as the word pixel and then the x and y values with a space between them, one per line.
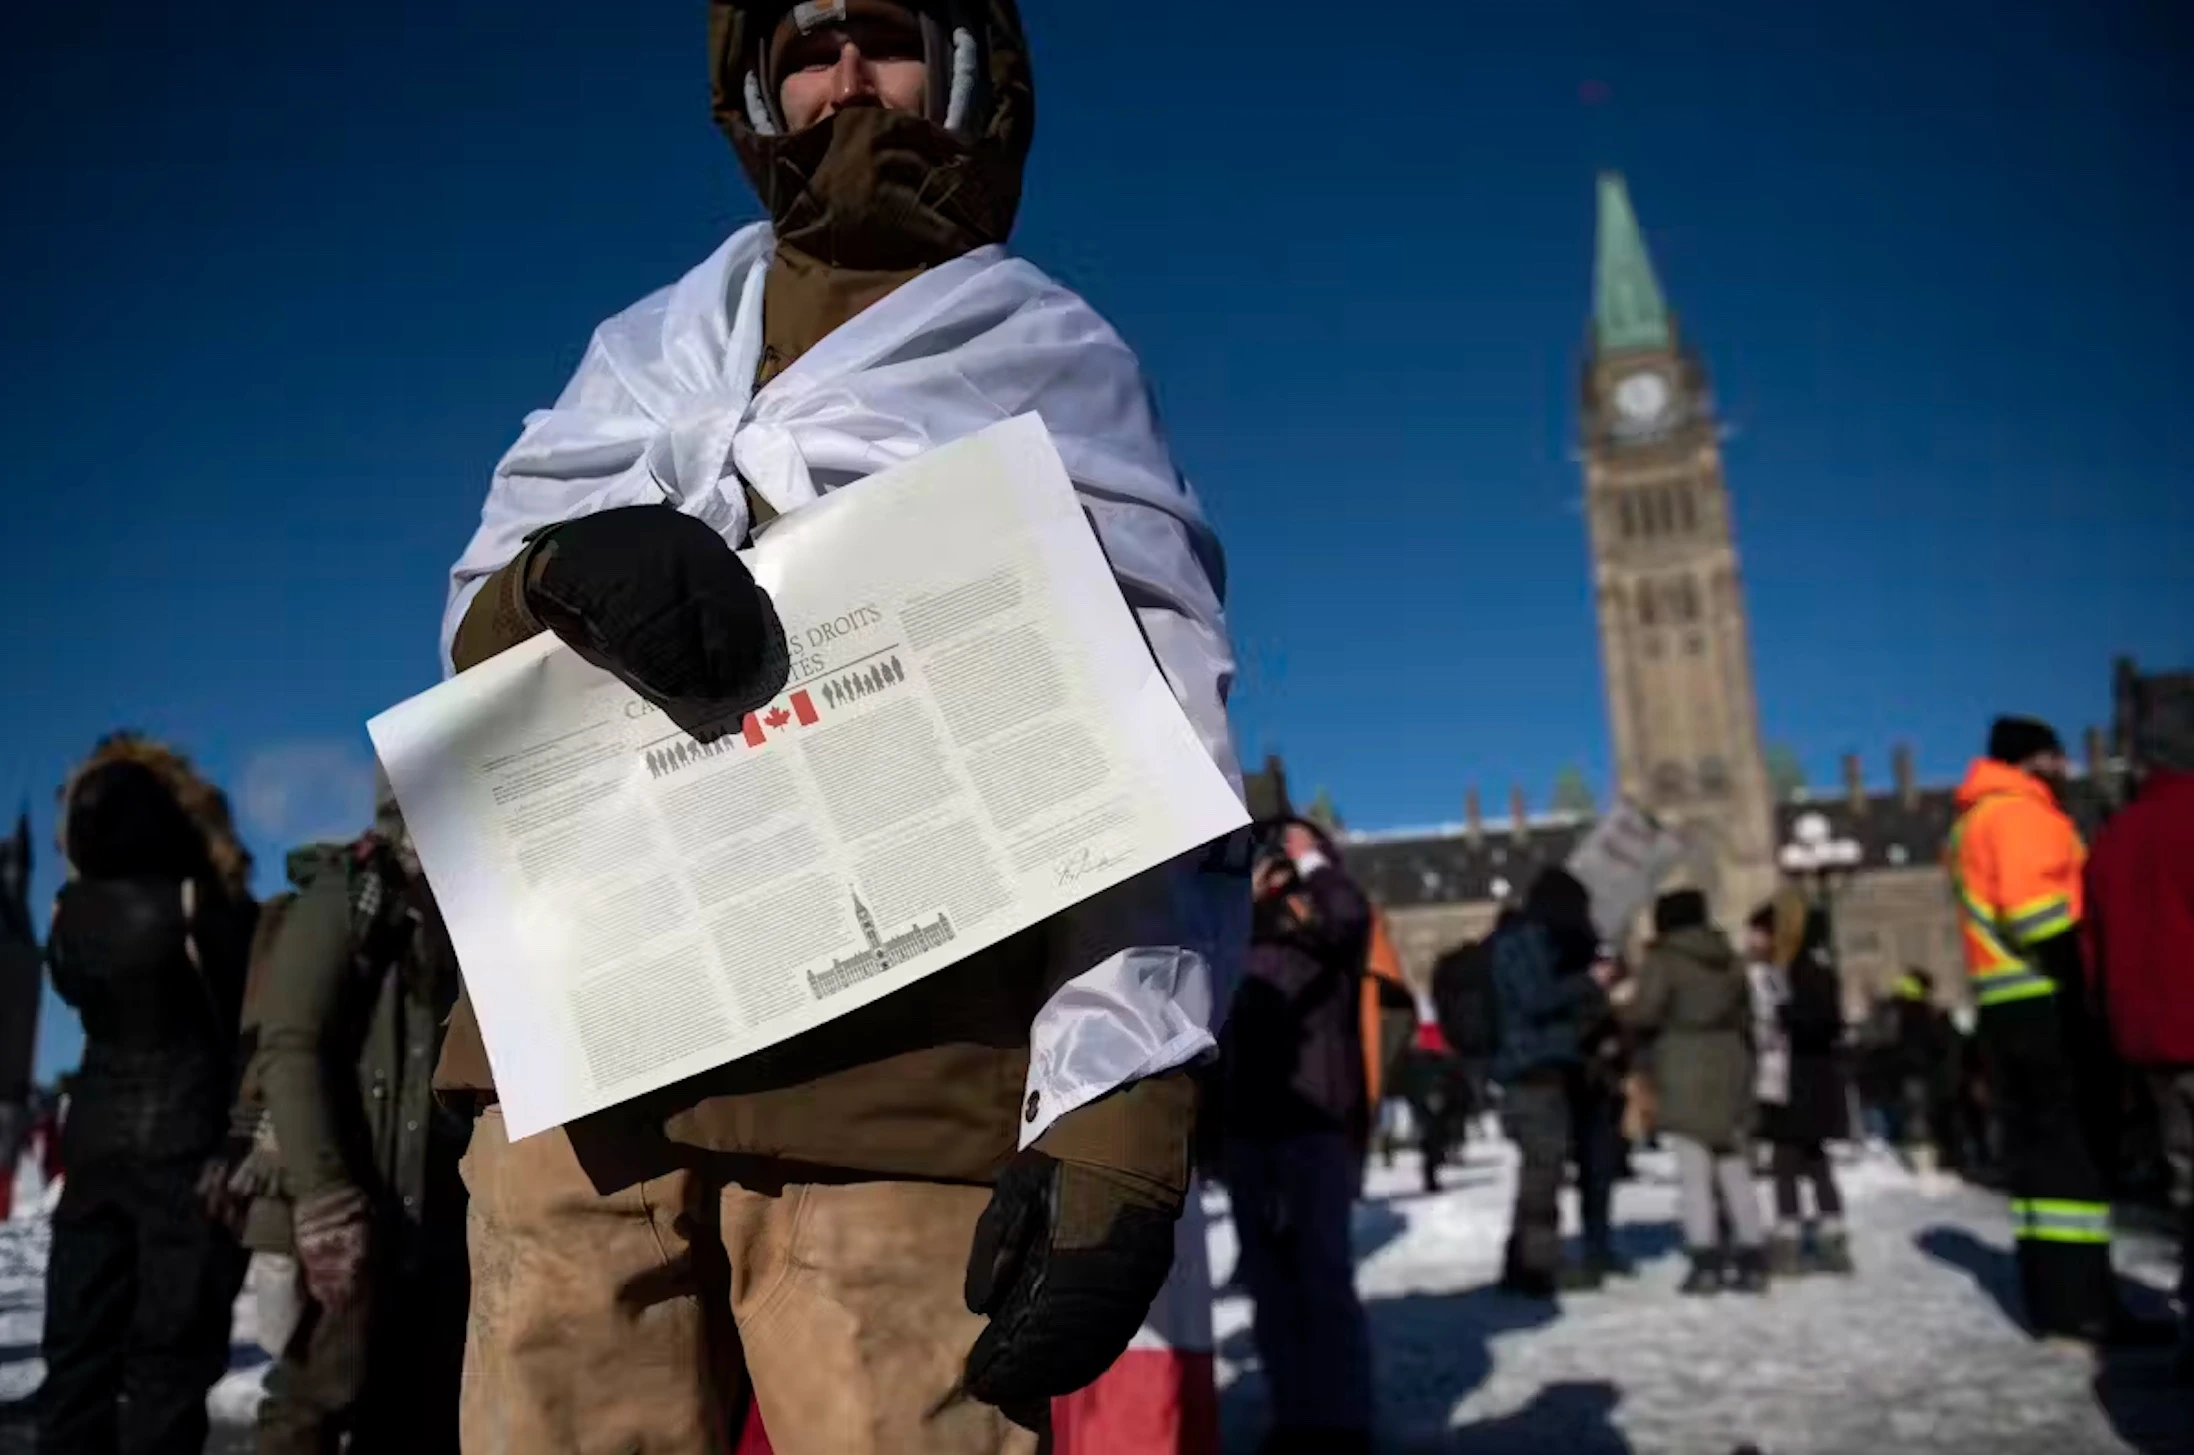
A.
pixel 1740 1059
pixel 253 1101
pixel 1723 1051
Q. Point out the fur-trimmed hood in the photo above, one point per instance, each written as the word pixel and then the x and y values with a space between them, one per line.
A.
pixel 203 805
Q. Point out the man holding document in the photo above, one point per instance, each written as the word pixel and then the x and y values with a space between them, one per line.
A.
pixel 930 1213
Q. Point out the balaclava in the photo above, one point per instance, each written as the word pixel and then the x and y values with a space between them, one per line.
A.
pixel 872 190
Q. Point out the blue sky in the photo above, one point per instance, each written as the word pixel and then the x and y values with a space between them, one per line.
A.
pixel 283 280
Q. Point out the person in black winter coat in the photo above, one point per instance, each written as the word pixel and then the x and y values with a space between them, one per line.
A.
pixel 149 941
pixel 1550 996
pixel 1295 1111
pixel 1809 1106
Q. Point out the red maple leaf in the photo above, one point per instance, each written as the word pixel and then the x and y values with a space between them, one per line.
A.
pixel 778 718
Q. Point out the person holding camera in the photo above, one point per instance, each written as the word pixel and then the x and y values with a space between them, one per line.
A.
pixel 1296 1117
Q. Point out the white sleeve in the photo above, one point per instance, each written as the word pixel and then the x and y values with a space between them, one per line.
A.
pixel 1164 949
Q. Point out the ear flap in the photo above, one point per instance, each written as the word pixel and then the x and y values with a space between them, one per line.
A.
pixel 962 114
pixel 760 114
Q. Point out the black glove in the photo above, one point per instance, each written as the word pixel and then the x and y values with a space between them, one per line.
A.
pixel 1066 1261
pixel 660 599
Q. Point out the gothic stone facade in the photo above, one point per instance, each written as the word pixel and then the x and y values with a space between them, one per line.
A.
pixel 1676 656
pixel 1675 647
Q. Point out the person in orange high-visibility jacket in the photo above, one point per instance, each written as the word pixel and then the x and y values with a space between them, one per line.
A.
pixel 2015 860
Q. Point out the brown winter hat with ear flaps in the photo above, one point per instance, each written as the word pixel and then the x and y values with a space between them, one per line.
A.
pixel 874 189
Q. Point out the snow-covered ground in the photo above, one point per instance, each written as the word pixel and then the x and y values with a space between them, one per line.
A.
pixel 1916 1354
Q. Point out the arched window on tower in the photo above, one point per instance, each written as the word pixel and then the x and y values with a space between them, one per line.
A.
pixel 1649 610
pixel 1626 505
pixel 1668 781
pixel 1713 777
pixel 1687 515
pixel 1687 598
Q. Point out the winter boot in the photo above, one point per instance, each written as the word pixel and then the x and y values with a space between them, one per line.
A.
pixel 1518 1280
pixel 1832 1250
pixel 2129 1330
pixel 1750 1270
pixel 1609 1263
pixel 1785 1252
pixel 1706 1273
pixel 1584 1277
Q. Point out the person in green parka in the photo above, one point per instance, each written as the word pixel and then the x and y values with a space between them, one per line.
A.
pixel 358 983
pixel 1693 1009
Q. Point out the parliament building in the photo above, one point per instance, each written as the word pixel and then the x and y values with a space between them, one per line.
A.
pixel 1676 655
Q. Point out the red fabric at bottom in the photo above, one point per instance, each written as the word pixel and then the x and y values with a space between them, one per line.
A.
pixel 754 1440
pixel 1151 1402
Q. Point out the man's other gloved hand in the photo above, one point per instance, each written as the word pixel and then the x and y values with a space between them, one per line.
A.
pixel 333 1229
pixel 660 599
pixel 1077 1241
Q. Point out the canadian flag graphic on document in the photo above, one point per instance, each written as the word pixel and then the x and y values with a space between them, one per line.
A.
pixel 797 710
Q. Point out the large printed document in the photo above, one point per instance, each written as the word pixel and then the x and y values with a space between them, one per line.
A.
pixel 974 736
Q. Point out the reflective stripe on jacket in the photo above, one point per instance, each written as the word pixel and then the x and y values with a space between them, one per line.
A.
pixel 2056 1220
pixel 2015 862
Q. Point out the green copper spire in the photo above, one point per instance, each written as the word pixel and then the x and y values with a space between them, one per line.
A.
pixel 1627 309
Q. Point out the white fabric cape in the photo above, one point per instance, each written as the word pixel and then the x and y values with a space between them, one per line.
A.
pixel 663 411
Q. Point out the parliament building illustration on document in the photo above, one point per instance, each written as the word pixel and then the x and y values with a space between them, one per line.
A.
pixel 881 954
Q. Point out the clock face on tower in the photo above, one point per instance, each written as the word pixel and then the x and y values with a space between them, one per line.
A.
pixel 1642 398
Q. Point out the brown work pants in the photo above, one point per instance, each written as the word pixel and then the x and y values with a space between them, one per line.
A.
pixel 591 1313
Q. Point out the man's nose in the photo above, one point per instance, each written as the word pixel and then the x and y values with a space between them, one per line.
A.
pixel 854 77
